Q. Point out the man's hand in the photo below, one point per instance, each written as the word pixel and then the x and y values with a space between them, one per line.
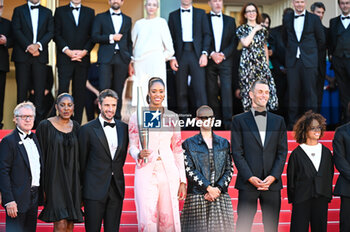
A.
pixel 203 60
pixel 3 39
pixel 217 57
pixel 256 182
pixel 117 37
pixel 174 65
pixel 131 69
pixel 11 209
pixel 33 49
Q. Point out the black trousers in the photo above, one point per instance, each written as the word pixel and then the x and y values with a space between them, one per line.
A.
pixel 302 91
pixel 270 202
pixel 341 67
pixel 76 72
pixel 25 221
pixel 113 76
pixel 189 65
pixel 37 72
pixel 2 95
pixel 313 212
pixel 344 214
pixel 108 210
pixel 220 97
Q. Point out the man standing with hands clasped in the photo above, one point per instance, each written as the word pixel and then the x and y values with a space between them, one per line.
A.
pixel 259 149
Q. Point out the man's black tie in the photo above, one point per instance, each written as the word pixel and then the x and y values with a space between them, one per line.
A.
pixel 118 14
pixel 184 10
pixel 75 8
pixel 262 113
pixel 34 7
pixel 111 124
pixel 297 16
pixel 217 15
pixel 30 136
pixel 345 17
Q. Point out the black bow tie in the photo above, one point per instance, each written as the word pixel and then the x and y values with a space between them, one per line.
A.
pixel 111 124
pixel 184 10
pixel 118 14
pixel 74 8
pixel 297 16
pixel 30 136
pixel 262 113
pixel 217 15
pixel 345 17
pixel 34 7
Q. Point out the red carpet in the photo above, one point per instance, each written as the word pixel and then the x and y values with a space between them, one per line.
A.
pixel 129 220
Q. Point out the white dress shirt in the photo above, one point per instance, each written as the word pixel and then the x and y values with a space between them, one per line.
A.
pixel 111 135
pixel 76 13
pixel 187 24
pixel 218 25
pixel 345 22
pixel 34 15
pixel 261 122
pixel 33 156
pixel 117 24
pixel 314 153
pixel 298 27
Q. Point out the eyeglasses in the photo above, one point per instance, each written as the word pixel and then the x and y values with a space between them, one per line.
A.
pixel 250 11
pixel 25 117
pixel 316 128
pixel 205 117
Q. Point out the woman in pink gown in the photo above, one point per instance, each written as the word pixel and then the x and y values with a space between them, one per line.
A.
pixel 159 182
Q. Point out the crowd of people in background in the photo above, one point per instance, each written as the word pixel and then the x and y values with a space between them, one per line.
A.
pixel 278 76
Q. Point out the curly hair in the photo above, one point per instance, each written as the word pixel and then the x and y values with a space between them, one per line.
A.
pixel 303 125
pixel 243 20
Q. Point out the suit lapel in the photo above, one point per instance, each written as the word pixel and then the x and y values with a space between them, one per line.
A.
pixel 28 19
pixel 122 28
pixel 39 150
pixel 69 13
pixel 120 139
pixel 22 149
pixel 82 15
pixel 109 20
pixel 41 20
pixel 269 128
pixel 340 27
pixel 224 25
pixel 101 136
pixel 194 22
pixel 305 24
pixel 308 159
pixel 250 121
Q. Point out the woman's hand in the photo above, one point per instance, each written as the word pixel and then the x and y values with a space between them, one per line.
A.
pixel 258 27
pixel 213 192
pixel 181 195
pixel 144 154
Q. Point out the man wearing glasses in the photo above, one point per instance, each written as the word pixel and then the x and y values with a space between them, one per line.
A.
pixel 21 172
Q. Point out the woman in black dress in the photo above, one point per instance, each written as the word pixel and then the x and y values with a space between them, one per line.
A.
pixel 59 144
pixel 309 175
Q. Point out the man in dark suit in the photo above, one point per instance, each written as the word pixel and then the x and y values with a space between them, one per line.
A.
pixel 5 44
pixel 21 172
pixel 259 149
pixel 73 25
pixel 112 30
pixel 190 32
pixel 103 145
pixel 339 50
pixel 341 151
pixel 304 37
pixel 222 50
pixel 33 28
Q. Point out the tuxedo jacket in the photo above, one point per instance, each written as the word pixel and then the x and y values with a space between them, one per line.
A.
pixel 228 40
pixel 254 159
pixel 200 32
pixel 102 28
pixel 23 33
pixel 337 34
pixel 96 164
pixel 5 29
pixel 15 174
pixel 303 181
pixel 312 40
pixel 72 36
pixel 278 47
pixel 341 152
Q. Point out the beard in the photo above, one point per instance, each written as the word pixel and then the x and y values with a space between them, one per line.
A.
pixel 115 7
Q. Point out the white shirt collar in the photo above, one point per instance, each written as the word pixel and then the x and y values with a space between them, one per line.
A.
pixel 31 4
pixel 190 8
pixel 22 134
pixel 304 12
pixel 112 11
pixel 211 12
pixel 102 120
pixel 72 5
pixel 342 15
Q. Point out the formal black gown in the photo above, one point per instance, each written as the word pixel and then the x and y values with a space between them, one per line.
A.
pixel 61 173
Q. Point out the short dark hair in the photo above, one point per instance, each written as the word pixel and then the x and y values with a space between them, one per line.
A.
pixel 318 5
pixel 287 10
pixel 107 93
pixel 259 81
pixel 302 126
pixel 63 95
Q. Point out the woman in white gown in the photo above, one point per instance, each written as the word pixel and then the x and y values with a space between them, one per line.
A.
pixel 152 47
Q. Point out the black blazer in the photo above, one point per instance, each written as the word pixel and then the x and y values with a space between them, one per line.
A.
pixel 15 175
pixel 312 40
pixel 303 181
pixel 251 157
pixel 23 33
pixel 278 47
pixel 228 40
pixel 102 28
pixel 336 31
pixel 72 36
pixel 341 152
pixel 96 164
pixel 200 31
pixel 5 29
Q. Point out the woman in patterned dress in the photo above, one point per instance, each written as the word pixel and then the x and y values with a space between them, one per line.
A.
pixel 209 171
pixel 254 62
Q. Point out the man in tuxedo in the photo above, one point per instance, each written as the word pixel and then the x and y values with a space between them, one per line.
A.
pixel 277 58
pixel 304 38
pixel 190 32
pixel 222 50
pixel 73 24
pixel 33 28
pixel 259 150
pixel 21 169
pixel 103 145
pixel 5 44
pixel 112 30
pixel 339 50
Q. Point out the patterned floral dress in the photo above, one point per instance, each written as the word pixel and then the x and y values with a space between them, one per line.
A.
pixel 253 66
